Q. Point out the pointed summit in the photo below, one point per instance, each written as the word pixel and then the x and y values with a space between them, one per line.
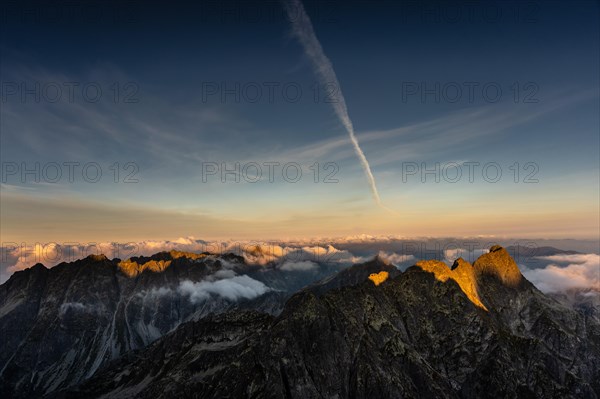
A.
pixel 356 274
pixel 39 266
pixel 97 258
pixel 461 272
pixel 500 264
pixel 460 263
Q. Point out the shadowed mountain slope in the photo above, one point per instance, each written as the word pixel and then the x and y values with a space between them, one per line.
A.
pixel 417 334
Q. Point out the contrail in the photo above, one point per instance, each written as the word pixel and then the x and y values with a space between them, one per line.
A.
pixel 303 30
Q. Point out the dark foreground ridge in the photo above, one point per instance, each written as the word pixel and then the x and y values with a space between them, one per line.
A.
pixel 110 328
pixel 417 334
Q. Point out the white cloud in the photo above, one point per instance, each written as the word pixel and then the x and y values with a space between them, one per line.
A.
pixel 234 288
pixel 572 258
pixel 322 251
pixel 221 274
pixel 394 258
pixel 253 252
pixel 567 272
pixel 304 266
pixel 223 283
pixel 25 257
pixel 450 255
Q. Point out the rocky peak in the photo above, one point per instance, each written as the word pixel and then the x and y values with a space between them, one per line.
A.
pixel 167 256
pixel 500 264
pixel 190 255
pixel 158 262
pixel 38 266
pixel 97 258
pixel 131 268
pixel 356 274
pixel 497 263
pixel 461 273
pixel 460 263
pixel 22 278
pixel 407 338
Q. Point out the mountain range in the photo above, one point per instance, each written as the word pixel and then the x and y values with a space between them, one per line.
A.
pixel 207 325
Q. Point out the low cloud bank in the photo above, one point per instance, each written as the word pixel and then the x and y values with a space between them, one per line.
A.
pixel 567 272
pixel 401 261
pixel 224 283
pixel 560 272
pixel 304 266
pixel 233 289
pixel 286 255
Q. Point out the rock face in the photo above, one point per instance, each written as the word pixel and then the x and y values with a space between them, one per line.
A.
pixel 418 334
pixel 58 326
pixel 353 275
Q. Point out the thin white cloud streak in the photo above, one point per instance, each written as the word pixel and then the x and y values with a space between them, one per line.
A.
pixel 437 138
pixel 303 30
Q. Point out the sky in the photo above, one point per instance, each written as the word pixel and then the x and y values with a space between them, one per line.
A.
pixel 119 121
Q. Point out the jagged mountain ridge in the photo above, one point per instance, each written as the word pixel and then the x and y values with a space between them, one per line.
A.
pixel 418 334
pixel 60 325
pixel 353 275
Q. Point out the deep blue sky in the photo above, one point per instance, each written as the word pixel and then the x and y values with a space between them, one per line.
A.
pixel 171 52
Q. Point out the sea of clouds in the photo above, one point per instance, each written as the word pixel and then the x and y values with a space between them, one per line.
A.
pixel 551 274
pixel 566 272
